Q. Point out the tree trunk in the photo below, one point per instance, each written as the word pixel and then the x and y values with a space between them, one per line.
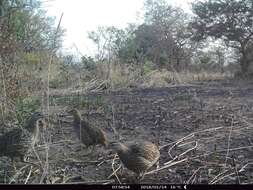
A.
pixel 244 62
pixel 178 64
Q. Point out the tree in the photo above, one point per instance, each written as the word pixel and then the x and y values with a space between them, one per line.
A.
pixel 108 41
pixel 88 63
pixel 27 36
pixel 164 37
pixel 229 20
pixel 28 24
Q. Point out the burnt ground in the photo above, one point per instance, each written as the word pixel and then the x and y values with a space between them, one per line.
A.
pixel 205 134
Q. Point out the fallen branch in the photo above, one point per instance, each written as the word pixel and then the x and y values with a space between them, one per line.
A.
pixel 114 171
pixel 29 175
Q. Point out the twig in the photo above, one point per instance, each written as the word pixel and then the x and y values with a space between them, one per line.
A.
pixel 17 173
pixel 101 163
pixel 241 170
pixel 243 167
pixel 164 146
pixel 219 151
pixel 229 138
pixel 220 174
pixel 190 149
pixel 245 121
pixel 29 175
pixel 194 174
pixel 113 123
pixel 114 173
pixel 46 167
pixel 187 143
pixel 167 166
pixel 210 129
pixel 236 171
pixel 223 178
pixel 178 142
pixel 166 163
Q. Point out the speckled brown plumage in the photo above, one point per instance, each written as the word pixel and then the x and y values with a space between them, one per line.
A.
pixel 17 142
pixel 138 156
pixel 88 134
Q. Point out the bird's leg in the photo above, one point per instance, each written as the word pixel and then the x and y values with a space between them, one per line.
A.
pixel 157 165
pixel 140 176
pixel 121 169
pixel 92 149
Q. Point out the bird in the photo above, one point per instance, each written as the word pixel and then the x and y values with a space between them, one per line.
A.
pixel 137 156
pixel 16 142
pixel 88 134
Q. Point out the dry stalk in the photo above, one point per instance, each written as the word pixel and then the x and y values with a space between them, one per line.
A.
pixel 106 182
pixel 167 166
pixel 217 176
pixel 215 180
pixel 46 166
pixel 166 163
pixel 101 163
pixel 190 149
pixel 29 175
pixel 187 143
pixel 2 112
pixel 219 179
pixel 194 174
pixel 113 123
pixel 178 142
pixel 245 121
pixel 232 149
pixel 114 171
pixel 236 171
pixel 243 167
pixel 164 146
pixel 229 138
pixel 17 174
pixel 3 105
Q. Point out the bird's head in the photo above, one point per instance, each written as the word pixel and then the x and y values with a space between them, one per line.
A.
pixel 41 123
pixel 36 120
pixel 36 116
pixel 73 111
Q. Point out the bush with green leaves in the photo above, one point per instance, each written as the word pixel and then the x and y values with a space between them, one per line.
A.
pixel 25 107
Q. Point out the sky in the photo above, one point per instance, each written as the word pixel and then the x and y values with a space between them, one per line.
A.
pixel 81 16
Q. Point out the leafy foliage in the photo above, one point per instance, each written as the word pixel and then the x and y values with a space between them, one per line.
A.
pixel 25 107
pixel 229 20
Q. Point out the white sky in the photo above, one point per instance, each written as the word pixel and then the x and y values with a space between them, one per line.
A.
pixel 81 16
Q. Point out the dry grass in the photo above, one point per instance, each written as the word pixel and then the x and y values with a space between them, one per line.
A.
pixel 123 76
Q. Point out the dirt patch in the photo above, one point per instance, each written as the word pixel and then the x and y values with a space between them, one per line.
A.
pixel 204 132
